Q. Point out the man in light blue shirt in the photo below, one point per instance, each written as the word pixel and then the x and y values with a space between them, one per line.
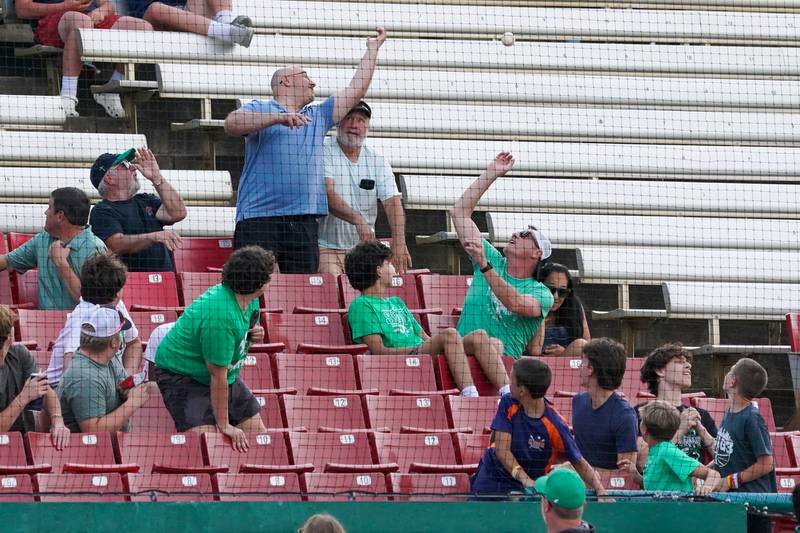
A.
pixel 282 188
pixel 59 251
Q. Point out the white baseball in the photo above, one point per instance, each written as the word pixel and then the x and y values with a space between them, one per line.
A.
pixel 507 38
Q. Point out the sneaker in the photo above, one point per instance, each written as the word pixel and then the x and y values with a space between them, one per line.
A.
pixel 242 20
pixel 69 103
pixel 111 103
pixel 241 35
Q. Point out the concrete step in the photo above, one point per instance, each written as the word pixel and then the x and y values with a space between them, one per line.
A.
pixel 23 85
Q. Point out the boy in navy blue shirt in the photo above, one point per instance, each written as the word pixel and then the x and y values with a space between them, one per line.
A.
pixel 743 455
pixel 604 422
pixel 528 437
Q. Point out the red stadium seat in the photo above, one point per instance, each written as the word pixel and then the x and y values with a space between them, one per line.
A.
pixel 396 374
pixel 793 330
pixel 445 292
pixel 566 373
pixel 41 358
pixel 470 448
pixel 408 414
pixel 151 289
pixel 271 411
pixel 163 453
pixel 429 487
pixel 16 488
pixel 404 286
pixel 25 288
pixel 316 413
pixel 787 479
pixel 336 452
pixel 267 453
pixel 197 254
pixel 106 487
pixel 257 374
pixel 147 321
pixel 15 240
pixel 316 373
pixel 482 383
pixel 563 404
pixel 13 459
pixel 170 487
pixel 153 417
pixel 716 408
pixel 432 453
pixel 86 453
pixel 474 413
pixel 41 327
pixel 302 293
pixel 631 381
pixel 193 284
pixel 344 487
pixel 782 449
pixel 617 479
pixel 312 333
pixel 257 487
pixel 5 281
pixel 434 324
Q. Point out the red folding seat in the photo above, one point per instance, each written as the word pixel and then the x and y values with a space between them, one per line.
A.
pixel 25 289
pixel 13 459
pixel 316 373
pixel 782 450
pixel 445 292
pixel 105 487
pixel 787 478
pixel 41 327
pixel 268 453
pixel 563 404
pixel 198 254
pixel 566 374
pixel 366 486
pixel 256 373
pixel 302 293
pixel 404 286
pixel 716 408
pixel 419 453
pixel 324 413
pixel 470 447
pixel 163 453
pixel 631 380
pixel 144 290
pixel 193 284
pixel 336 452
pixel 617 479
pixel 479 378
pixel 271 410
pixel 398 374
pixel 434 324
pixel 147 321
pixel 765 408
pixel 473 413
pixel 170 487
pixel 409 414
pixel 429 487
pixel 310 333
pixel 17 489
pixel 85 453
pixel 793 330
pixel 15 240
pixel 257 487
pixel 41 358
pixel 5 281
pixel 153 417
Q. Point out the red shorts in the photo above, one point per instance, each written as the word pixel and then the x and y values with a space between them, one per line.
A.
pixel 46 31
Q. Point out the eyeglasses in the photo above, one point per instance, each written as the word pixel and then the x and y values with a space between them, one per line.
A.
pixel 529 234
pixel 559 292
pixel 127 165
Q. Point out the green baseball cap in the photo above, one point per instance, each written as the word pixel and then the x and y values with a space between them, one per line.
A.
pixel 107 161
pixel 563 488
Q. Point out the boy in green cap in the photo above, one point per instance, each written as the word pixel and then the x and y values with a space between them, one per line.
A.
pixel 563 495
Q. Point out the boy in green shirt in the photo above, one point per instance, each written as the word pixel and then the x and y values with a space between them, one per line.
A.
pixel 668 468
pixel 387 326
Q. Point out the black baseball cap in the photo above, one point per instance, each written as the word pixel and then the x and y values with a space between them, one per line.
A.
pixel 107 161
pixel 362 107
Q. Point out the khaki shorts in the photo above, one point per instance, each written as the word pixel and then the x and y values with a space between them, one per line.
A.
pixel 331 261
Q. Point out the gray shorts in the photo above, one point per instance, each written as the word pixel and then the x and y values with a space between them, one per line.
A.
pixel 189 401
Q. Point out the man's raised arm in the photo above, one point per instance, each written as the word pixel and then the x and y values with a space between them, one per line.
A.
pixel 345 99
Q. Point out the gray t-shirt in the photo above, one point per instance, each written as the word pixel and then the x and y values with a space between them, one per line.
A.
pixel 18 367
pixel 89 390
pixel 743 437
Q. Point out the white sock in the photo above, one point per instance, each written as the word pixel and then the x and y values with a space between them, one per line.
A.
pixel 117 75
pixel 224 16
pixel 469 391
pixel 69 86
pixel 505 389
pixel 218 30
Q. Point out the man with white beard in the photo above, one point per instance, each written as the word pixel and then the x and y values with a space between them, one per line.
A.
pixel 355 179
pixel 131 224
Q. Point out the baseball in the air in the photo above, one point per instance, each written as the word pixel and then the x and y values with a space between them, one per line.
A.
pixel 507 38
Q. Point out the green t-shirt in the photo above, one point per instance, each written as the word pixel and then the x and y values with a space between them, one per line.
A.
pixel 213 329
pixel 88 389
pixel 387 317
pixel 484 310
pixel 669 469
pixel 53 293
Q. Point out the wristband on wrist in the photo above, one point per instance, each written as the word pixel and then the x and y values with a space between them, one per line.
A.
pixel 487 268
pixel 733 480
pixel 160 182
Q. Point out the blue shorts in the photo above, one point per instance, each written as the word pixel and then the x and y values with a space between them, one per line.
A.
pixel 137 8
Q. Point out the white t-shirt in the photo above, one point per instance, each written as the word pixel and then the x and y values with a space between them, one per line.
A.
pixel 68 340
pixel 334 232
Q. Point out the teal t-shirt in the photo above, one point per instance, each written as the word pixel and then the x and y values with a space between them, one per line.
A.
pixel 88 389
pixel 213 329
pixel 53 293
pixel 387 317
pixel 484 310
pixel 669 469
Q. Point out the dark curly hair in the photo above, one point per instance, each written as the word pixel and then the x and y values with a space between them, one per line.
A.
pixel 657 360
pixel 248 269
pixel 608 359
pixel 361 263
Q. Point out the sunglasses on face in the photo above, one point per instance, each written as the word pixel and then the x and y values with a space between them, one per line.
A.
pixel 559 292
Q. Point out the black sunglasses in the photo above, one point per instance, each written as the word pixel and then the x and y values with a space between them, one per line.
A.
pixel 559 292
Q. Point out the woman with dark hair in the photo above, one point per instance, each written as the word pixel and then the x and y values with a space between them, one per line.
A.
pixel 565 331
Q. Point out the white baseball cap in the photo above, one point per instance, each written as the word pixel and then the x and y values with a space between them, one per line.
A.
pixel 103 322
pixel 542 242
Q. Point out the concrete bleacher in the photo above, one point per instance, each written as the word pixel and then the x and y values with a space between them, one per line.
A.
pixel 31 112
pixel 64 149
